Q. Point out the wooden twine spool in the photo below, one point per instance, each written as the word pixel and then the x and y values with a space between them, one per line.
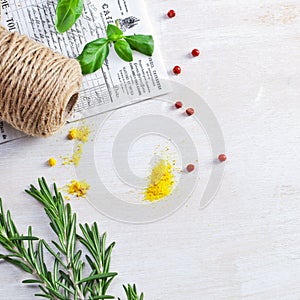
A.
pixel 38 87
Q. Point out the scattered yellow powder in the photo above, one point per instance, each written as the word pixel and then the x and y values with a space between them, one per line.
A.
pixel 51 162
pixel 78 188
pixel 81 135
pixel 161 182
pixel 72 134
pixel 75 158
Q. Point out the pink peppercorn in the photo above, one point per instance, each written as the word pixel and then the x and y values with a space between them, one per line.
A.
pixel 178 104
pixel 222 157
pixel 171 13
pixel 177 70
pixel 190 168
pixel 195 52
pixel 190 111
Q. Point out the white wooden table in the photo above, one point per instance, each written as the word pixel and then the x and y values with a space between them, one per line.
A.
pixel 246 243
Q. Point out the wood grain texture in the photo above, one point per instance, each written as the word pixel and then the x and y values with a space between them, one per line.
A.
pixel 246 243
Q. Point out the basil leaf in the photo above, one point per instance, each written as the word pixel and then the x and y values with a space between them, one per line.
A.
pixel 93 55
pixel 67 13
pixel 123 50
pixel 141 43
pixel 113 32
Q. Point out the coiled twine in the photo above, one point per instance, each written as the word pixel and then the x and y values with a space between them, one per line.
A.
pixel 38 87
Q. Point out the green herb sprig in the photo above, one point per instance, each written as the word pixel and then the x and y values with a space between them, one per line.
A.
pixel 67 13
pixel 131 293
pixel 95 53
pixel 66 278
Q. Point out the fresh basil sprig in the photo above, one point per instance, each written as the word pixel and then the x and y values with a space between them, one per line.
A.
pixel 123 50
pixel 94 53
pixel 67 13
pixel 113 33
pixel 141 43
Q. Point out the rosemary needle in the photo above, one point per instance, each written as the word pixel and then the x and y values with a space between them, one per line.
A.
pixel 70 276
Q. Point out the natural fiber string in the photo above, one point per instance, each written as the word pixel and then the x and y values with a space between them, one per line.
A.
pixel 38 87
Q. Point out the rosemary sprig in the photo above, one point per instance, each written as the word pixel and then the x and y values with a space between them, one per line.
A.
pixel 67 278
pixel 131 293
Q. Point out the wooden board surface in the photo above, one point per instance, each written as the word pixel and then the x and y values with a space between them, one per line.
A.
pixel 246 243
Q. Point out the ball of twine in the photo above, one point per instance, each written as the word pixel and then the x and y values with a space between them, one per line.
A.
pixel 38 87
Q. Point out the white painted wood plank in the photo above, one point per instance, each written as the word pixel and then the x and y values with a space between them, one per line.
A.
pixel 246 244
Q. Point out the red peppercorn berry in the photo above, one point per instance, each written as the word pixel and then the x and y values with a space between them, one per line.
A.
pixel 178 104
pixel 177 70
pixel 190 168
pixel 222 157
pixel 171 13
pixel 190 111
pixel 195 52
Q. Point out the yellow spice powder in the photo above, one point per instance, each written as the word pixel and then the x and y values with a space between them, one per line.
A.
pixel 75 158
pixel 78 188
pixel 161 182
pixel 81 135
pixel 51 162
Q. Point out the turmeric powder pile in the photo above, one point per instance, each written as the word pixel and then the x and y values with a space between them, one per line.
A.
pixel 161 181
pixel 78 188
pixel 81 134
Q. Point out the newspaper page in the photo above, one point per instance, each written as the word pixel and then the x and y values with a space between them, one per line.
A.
pixel 118 83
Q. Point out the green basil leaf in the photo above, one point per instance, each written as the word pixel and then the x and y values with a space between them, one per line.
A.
pixel 67 13
pixel 141 43
pixel 123 50
pixel 113 32
pixel 93 55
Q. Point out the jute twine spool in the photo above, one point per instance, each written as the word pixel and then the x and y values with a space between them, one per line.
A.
pixel 38 87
